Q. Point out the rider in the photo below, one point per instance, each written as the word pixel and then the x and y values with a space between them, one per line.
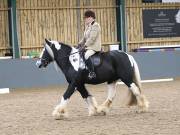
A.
pixel 91 40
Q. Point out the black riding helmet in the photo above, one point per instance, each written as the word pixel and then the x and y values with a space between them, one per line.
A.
pixel 89 13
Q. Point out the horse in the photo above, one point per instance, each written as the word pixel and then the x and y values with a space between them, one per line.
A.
pixel 113 66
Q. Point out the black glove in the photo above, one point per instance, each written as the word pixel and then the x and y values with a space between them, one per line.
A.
pixel 79 46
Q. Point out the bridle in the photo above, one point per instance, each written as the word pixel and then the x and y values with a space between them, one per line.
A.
pixel 47 62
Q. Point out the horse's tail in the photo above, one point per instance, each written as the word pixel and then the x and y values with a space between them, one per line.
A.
pixel 136 76
pixel 142 101
pixel 136 80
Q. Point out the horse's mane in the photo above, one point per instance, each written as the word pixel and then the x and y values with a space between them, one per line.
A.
pixel 64 44
pixel 66 47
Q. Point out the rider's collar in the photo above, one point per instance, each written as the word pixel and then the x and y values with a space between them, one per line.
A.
pixel 92 22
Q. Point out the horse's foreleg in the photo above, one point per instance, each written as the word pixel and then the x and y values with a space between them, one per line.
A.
pixel 104 108
pixel 142 102
pixel 92 105
pixel 90 100
pixel 60 110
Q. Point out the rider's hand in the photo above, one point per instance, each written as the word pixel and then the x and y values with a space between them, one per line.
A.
pixel 79 46
pixel 82 48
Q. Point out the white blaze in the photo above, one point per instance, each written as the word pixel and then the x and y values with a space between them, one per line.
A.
pixel 48 48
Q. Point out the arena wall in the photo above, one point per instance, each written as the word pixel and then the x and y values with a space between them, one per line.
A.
pixel 19 73
pixel 62 20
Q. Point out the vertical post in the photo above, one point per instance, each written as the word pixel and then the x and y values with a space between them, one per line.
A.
pixel 13 28
pixel 78 11
pixel 121 27
pixel 118 22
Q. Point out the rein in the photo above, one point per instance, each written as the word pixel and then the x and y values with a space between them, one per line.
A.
pixel 62 57
pixel 70 54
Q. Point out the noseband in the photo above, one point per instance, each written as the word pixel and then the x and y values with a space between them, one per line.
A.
pixel 45 61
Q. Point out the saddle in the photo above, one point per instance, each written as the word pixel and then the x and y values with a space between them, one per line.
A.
pixel 97 59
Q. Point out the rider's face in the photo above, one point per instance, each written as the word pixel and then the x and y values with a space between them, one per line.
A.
pixel 88 20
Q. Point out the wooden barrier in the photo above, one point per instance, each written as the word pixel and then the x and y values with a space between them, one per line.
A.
pixel 61 20
pixel 4 31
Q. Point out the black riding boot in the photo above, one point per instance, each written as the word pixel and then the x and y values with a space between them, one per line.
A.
pixel 90 66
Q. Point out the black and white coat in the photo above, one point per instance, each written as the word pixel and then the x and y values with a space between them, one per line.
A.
pixel 116 65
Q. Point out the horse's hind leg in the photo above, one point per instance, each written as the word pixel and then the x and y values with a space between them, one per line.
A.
pixel 104 108
pixel 136 97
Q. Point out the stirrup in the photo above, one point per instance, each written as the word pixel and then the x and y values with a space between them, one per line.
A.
pixel 92 75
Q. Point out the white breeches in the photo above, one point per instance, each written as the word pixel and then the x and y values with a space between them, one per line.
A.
pixel 89 53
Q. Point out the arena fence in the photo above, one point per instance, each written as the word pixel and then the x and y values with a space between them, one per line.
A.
pixel 4 30
pixel 62 20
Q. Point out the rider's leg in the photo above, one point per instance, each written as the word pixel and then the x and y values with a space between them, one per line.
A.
pixel 89 64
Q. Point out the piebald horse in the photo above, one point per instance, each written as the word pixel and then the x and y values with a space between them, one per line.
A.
pixel 115 65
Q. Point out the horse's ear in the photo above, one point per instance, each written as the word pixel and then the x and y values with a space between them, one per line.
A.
pixel 48 46
pixel 47 41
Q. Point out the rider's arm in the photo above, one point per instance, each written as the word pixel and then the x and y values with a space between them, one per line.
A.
pixel 82 41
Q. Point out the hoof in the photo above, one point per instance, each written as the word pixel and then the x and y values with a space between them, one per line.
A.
pixel 143 104
pixel 59 114
pixel 144 108
pixel 103 110
pixel 92 112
